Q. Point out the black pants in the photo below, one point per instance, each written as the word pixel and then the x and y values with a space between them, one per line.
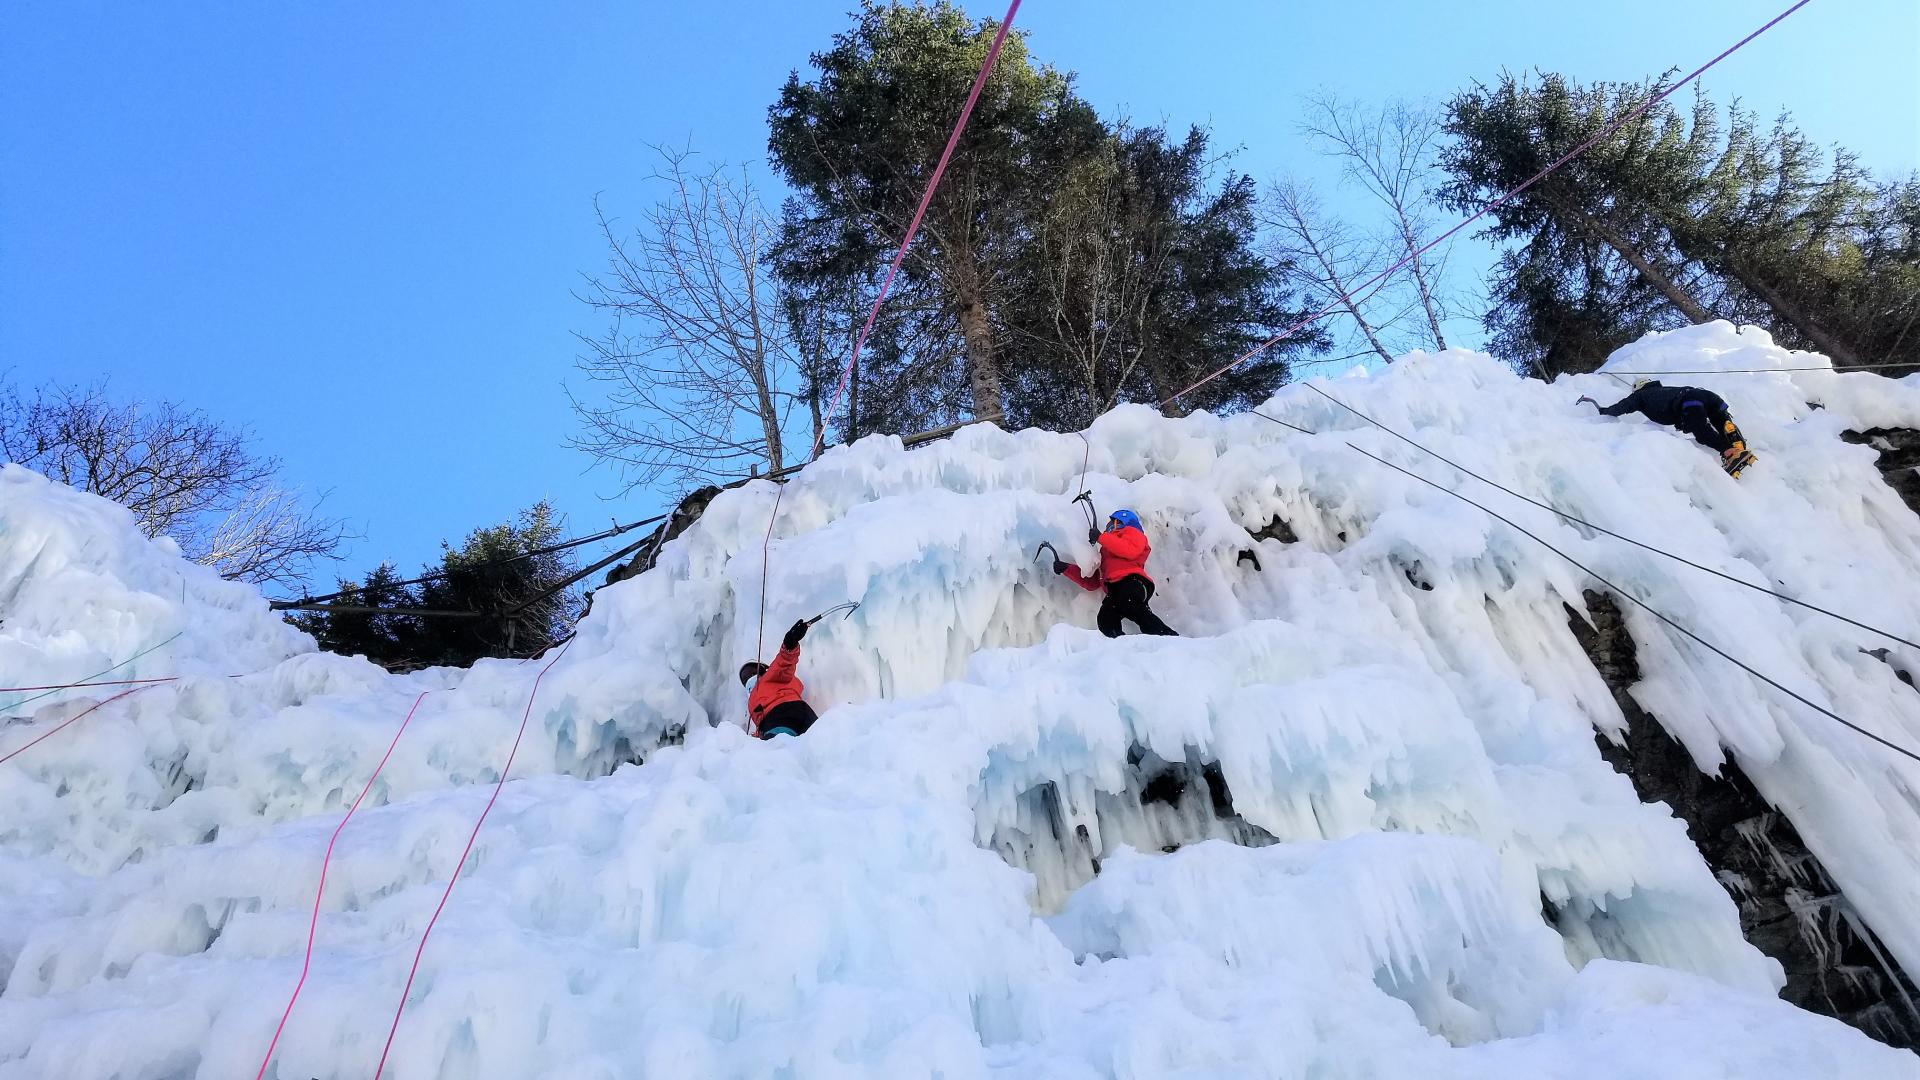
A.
pixel 1127 599
pixel 1710 424
pixel 795 716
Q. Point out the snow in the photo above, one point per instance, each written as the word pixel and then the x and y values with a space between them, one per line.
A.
pixel 1395 708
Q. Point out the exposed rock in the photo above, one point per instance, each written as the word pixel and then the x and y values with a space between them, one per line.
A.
pixel 1899 458
pixel 1789 908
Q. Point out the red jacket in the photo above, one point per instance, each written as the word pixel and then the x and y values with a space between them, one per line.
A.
pixel 778 686
pixel 1123 553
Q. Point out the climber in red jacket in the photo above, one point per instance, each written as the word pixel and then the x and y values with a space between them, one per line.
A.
pixel 1123 573
pixel 774 706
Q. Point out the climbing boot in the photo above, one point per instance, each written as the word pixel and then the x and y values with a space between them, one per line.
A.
pixel 1736 459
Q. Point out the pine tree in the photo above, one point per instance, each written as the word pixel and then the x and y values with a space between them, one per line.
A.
pixel 858 142
pixel 1141 277
pixel 1697 217
pixel 517 610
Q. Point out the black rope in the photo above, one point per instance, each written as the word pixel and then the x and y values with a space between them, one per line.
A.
pixel 1767 370
pixel 615 557
pixel 1655 612
pixel 1609 532
pixel 306 602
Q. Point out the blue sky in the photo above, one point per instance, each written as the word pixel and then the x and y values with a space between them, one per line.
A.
pixel 355 227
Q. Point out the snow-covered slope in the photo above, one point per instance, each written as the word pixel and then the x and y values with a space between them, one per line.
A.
pixel 1382 740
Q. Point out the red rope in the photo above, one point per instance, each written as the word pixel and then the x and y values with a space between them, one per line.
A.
pixel 100 682
pixel 846 372
pixel 1631 115
pixel 457 867
pixel 49 733
pixel 313 923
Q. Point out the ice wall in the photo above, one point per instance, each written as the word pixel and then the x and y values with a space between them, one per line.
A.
pixel 1394 700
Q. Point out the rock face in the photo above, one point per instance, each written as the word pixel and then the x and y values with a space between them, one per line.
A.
pixel 682 519
pixel 1789 908
pixel 1899 458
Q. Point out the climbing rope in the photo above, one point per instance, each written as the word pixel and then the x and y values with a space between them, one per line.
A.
pixel 578 541
pixel 846 372
pixel 1609 532
pixel 1609 583
pixel 65 723
pixel 1768 370
pixel 464 852
pixel 313 922
pixel 1629 117
pixel 88 681
pixel 100 682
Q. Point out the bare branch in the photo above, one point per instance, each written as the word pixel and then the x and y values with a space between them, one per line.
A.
pixel 1322 253
pixel 178 471
pixel 694 373
pixel 1389 152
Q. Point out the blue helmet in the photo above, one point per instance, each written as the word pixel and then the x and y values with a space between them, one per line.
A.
pixel 1126 518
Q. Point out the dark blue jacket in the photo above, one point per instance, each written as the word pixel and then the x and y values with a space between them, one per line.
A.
pixel 1663 404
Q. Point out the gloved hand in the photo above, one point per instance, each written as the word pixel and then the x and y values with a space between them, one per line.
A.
pixel 794 633
pixel 1059 567
pixel 1093 536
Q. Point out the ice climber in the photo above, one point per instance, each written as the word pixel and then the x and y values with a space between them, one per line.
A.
pixel 1123 573
pixel 774 706
pixel 1700 413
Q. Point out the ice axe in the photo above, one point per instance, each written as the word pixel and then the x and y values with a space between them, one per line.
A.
pixel 1093 516
pixel 1048 548
pixel 849 608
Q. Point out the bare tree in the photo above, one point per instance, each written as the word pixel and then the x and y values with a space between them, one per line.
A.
pixel 698 369
pixel 1101 251
pixel 1389 152
pixel 1324 255
pixel 181 473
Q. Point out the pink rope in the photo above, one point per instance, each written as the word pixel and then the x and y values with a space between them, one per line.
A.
pixel 1631 115
pixel 886 283
pixel 313 923
pixel 926 199
pixel 99 682
pixel 75 718
pixel 457 867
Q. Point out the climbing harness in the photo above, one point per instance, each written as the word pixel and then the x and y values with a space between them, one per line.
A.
pixel 1631 115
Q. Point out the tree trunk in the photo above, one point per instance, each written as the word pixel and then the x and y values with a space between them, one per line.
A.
pixel 769 419
pixel 1164 384
pixel 983 361
pixel 1787 311
pixel 1420 282
pixel 1693 309
pixel 819 422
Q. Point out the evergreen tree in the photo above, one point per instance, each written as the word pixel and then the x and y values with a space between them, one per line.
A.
pixel 858 142
pixel 1674 218
pixel 486 575
pixel 1138 280
pixel 523 615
